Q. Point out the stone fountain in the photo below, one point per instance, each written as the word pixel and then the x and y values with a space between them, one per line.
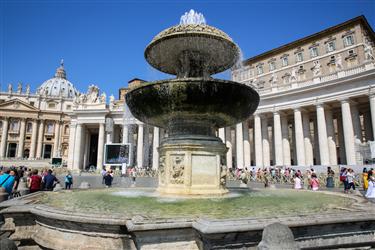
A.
pixel 192 106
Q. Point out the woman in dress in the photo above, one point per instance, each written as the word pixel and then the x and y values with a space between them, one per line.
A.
pixel 297 182
pixel 365 179
pixel 314 182
pixel 371 188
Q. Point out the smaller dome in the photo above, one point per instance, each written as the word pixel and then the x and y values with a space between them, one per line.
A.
pixel 59 85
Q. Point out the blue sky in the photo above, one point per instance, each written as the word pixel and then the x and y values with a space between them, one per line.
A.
pixel 102 42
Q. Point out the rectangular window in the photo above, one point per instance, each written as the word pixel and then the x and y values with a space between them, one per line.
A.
pixel 284 61
pixel 299 57
pixel 331 46
pixel 314 51
pixel 272 66
pixel 260 69
pixel 348 40
pixel 68 107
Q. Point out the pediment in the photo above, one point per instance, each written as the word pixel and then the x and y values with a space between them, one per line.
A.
pixel 17 105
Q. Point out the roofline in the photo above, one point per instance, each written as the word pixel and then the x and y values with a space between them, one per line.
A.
pixel 135 79
pixel 359 19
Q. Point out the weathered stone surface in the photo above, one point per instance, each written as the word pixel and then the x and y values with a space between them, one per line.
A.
pixel 7 244
pixel 277 236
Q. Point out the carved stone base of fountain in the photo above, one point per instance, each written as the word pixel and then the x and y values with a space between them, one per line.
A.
pixel 192 166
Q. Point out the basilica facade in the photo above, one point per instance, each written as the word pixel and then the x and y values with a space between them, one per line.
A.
pixel 317 108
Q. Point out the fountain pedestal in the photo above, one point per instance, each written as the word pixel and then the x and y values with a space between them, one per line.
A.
pixel 192 166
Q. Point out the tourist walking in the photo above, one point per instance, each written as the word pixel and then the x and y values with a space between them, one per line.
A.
pixel 68 180
pixel 371 188
pixel 103 173
pixel 350 180
pixel 330 178
pixel 365 179
pixel 34 182
pixel 314 182
pixel 7 183
pixel 49 181
pixel 133 175
pixel 343 179
pixel 297 182
pixel 108 179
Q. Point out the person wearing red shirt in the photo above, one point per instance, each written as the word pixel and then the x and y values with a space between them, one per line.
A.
pixel 35 182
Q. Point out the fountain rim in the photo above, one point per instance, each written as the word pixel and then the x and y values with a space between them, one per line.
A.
pixel 157 41
pixel 189 79
pixel 192 80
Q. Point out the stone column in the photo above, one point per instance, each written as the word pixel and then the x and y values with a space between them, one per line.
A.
pixel 228 143
pixel 278 144
pixel 125 133
pixel 222 134
pixel 368 127
pixel 340 132
pixel 316 148
pixel 331 137
pixel 246 145
pixel 155 145
pixel 300 144
pixel 309 155
pixel 33 138
pixel 78 148
pixel 258 141
pixel 140 146
pixel 39 146
pixel 347 124
pixel 286 143
pixel 86 140
pixel 322 136
pixel 146 147
pixel 101 142
pixel 56 144
pixel 372 110
pixel 239 146
pixel 21 140
pixel 356 123
pixel 4 138
pixel 72 135
pixel 265 143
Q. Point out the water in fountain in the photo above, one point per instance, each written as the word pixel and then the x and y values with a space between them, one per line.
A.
pixel 192 17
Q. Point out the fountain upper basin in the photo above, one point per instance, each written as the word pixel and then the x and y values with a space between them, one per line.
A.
pixel 192 102
pixel 182 48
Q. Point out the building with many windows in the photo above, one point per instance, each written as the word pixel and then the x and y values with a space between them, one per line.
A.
pixel 317 101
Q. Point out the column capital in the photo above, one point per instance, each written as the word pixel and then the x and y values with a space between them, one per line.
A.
pixel 297 109
pixel 321 105
pixel 345 100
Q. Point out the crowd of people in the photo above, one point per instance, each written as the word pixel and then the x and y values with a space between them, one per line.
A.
pixel 309 179
pixel 10 179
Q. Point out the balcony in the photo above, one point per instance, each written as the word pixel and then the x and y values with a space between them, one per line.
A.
pixel 315 80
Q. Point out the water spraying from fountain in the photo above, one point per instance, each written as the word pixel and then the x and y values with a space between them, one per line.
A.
pixel 192 17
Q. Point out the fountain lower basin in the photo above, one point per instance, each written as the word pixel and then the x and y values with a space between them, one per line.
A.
pixel 117 219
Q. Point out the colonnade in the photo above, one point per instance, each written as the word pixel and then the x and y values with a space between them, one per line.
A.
pixel 320 134
pixel 33 140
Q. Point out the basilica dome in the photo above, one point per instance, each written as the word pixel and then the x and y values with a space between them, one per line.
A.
pixel 58 85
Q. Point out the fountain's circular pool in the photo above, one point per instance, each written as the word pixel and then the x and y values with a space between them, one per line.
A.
pixel 239 204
